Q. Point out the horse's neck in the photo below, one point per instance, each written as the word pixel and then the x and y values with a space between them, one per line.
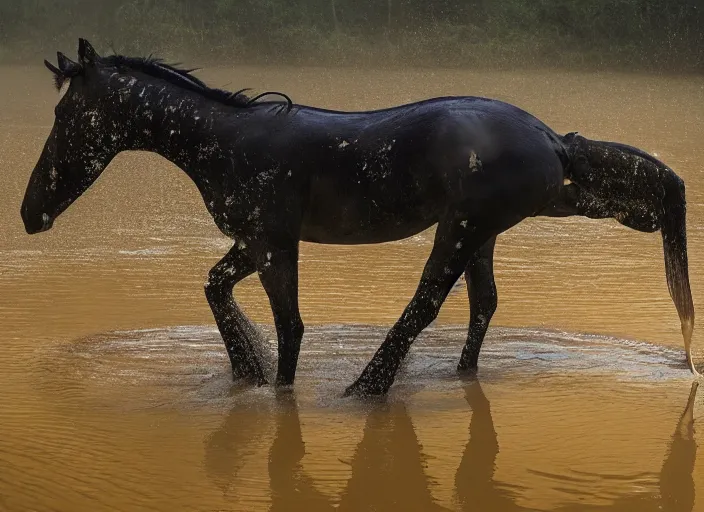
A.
pixel 180 127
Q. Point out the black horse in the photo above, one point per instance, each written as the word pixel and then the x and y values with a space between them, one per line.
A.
pixel 274 173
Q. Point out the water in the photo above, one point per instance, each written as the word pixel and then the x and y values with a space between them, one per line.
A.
pixel 115 389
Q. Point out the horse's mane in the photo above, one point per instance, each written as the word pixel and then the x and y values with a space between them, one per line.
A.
pixel 184 78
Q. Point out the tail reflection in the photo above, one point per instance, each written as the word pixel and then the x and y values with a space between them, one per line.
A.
pixel 388 463
pixel 476 489
pixel 676 481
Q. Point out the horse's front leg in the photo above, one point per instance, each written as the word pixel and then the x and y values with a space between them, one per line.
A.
pixel 278 272
pixel 483 300
pixel 236 330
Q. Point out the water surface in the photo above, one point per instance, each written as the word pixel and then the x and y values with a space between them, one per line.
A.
pixel 115 394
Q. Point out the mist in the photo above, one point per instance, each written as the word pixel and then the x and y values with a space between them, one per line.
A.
pixel 647 35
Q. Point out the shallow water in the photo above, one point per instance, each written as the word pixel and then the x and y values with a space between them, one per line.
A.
pixel 115 393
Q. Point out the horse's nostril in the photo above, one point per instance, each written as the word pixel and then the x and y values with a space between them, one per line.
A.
pixel 34 223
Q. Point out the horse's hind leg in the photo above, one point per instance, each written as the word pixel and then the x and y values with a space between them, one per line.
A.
pixel 455 242
pixel 236 330
pixel 482 303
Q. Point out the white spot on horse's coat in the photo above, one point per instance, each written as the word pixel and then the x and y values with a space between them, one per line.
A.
pixel 268 255
pixel 241 245
pixel 141 94
pixel 53 175
pixel 93 116
pixel 96 166
pixel 474 162
pixel 463 223
pixel 567 181
pixel 289 173
pixel 343 144
pixel 254 214
pixel 458 245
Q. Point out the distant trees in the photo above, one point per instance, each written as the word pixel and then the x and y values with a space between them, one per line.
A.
pixel 644 33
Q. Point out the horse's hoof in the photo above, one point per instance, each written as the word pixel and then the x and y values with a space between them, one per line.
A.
pixel 366 388
pixel 354 390
pixel 254 377
pixel 283 385
pixel 467 370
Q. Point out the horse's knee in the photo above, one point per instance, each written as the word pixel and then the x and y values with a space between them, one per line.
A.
pixel 221 282
pixel 213 288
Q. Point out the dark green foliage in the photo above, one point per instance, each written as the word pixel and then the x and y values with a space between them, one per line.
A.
pixel 633 34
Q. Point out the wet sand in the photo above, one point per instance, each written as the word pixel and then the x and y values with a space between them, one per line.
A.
pixel 115 388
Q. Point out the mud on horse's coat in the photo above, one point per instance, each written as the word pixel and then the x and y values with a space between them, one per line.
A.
pixel 274 173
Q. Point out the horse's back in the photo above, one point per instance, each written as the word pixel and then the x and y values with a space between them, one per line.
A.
pixel 385 175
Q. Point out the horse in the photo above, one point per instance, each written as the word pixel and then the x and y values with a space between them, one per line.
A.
pixel 273 173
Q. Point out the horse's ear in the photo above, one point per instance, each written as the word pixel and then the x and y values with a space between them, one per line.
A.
pixel 51 67
pixel 86 52
pixel 59 77
pixel 67 67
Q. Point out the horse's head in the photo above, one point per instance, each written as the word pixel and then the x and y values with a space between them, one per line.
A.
pixel 79 146
pixel 641 192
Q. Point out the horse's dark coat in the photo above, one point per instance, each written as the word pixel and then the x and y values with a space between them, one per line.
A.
pixel 272 174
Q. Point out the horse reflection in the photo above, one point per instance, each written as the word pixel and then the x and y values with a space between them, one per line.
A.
pixel 291 487
pixel 228 448
pixel 387 466
pixel 476 488
pixel 388 463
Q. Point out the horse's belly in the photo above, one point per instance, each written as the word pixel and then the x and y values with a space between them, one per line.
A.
pixel 366 218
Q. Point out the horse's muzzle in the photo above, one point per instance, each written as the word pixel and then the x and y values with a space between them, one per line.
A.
pixel 34 223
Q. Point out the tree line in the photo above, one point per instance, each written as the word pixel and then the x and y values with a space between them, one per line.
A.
pixel 645 34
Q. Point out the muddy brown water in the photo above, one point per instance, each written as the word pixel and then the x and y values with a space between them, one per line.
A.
pixel 114 387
